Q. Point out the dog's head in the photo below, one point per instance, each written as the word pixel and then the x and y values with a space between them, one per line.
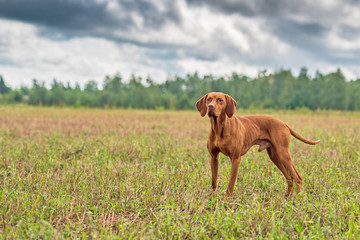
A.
pixel 216 104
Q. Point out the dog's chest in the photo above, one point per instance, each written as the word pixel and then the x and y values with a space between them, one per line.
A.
pixel 223 144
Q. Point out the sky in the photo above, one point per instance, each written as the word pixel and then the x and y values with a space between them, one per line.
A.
pixel 80 40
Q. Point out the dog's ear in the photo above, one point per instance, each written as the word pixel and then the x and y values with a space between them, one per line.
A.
pixel 201 105
pixel 230 106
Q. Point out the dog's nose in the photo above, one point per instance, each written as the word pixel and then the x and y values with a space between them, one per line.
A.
pixel 211 106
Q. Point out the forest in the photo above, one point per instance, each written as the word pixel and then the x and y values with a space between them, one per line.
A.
pixel 278 90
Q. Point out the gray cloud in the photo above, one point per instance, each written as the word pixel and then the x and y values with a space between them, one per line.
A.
pixel 349 32
pixel 88 17
pixel 178 36
pixel 238 7
pixel 275 8
pixel 301 24
pixel 71 15
pixel 307 36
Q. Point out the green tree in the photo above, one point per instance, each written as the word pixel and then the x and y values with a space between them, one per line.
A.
pixel 301 88
pixel 15 96
pixel 354 95
pixel 113 84
pixel 184 103
pixel 334 91
pixel 91 87
pixel 38 94
pixel 3 88
pixel 57 91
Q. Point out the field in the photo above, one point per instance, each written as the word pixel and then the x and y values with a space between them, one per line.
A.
pixel 85 173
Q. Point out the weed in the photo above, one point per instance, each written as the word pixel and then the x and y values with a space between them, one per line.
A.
pixel 80 173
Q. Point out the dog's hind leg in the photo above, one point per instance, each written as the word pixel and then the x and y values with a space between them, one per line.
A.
pixel 285 159
pixel 272 154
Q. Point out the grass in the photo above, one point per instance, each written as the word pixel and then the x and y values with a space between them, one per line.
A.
pixel 67 173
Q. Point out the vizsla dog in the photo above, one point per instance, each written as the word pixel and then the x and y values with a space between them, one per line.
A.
pixel 234 136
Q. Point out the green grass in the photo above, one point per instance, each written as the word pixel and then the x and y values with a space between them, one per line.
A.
pixel 67 173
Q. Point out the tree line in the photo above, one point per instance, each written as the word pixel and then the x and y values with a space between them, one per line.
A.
pixel 279 90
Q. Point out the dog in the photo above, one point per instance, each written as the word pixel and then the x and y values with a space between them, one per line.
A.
pixel 234 136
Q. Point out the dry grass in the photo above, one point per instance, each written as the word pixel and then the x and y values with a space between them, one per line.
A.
pixel 145 174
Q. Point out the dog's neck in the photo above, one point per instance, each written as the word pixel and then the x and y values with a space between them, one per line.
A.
pixel 217 124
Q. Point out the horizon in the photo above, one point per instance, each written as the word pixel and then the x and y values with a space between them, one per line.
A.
pixel 100 83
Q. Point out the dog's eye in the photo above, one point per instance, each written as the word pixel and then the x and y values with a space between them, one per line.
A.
pixel 220 100
pixel 209 99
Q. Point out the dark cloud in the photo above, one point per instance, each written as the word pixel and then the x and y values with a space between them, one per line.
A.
pixel 254 8
pixel 238 7
pixel 302 35
pixel 152 16
pixel 309 37
pixel 72 15
pixel 277 15
pixel 349 32
pixel 87 17
pixel 272 8
pixel 306 34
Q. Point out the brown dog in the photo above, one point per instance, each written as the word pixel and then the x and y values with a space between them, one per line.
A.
pixel 234 136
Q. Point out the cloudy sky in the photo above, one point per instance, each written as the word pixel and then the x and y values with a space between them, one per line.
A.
pixel 78 40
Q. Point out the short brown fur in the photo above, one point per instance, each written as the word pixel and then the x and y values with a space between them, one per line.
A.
pixel 234 136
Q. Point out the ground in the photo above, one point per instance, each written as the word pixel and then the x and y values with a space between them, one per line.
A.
pixel 90 173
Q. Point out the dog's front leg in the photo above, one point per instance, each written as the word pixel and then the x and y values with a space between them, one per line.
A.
pixel 214 169
pixel 235 161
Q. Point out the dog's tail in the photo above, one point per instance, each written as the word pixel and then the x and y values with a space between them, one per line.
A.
pixel 296 135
